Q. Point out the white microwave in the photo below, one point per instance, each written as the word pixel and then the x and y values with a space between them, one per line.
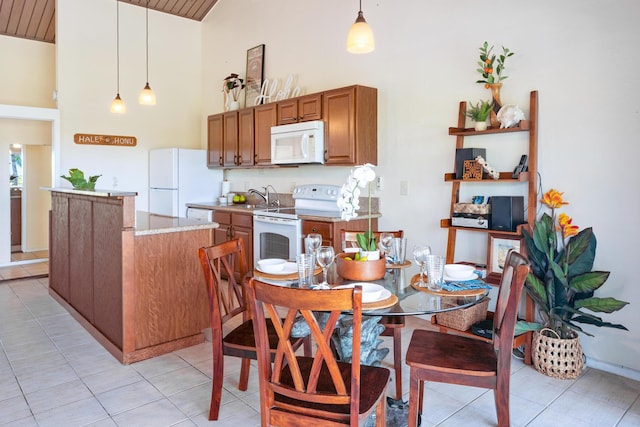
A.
pixel 298 143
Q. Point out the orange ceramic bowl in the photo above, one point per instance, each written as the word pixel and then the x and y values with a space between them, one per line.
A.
pixel 360 270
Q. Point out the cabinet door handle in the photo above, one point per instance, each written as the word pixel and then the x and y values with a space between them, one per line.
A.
pixel 220 161
pixel 326 155
pixel 315 230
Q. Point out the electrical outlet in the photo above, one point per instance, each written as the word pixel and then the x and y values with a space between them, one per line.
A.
pixel 404 188
pixel 379 183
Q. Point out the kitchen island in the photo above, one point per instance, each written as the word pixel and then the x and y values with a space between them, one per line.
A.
pixel 132 279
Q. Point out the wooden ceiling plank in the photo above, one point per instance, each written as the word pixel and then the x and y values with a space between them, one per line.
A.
pixel 37 12
pixel 190 8
pixel 5 14
pixel 47 27
pixel 25 19
pixel 14 18
pixel 204 9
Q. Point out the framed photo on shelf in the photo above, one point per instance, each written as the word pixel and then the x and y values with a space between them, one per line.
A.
pixel 499 246
pixel 255 70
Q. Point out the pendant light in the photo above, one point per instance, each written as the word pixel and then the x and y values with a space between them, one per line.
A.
pixel 360 38
pixel 117 106
pixel 147 97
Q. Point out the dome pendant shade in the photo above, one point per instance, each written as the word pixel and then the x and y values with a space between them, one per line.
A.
pixel 360 38
pixel 147 97
pixel 117 106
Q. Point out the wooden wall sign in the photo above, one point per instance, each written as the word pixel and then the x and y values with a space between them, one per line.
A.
pixel 90 139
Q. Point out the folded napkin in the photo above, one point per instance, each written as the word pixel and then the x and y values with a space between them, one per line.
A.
pixel 465 285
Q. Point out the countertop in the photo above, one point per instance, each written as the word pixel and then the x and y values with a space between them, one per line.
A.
pixel 147 223
pixel 97 193
pixel 244 208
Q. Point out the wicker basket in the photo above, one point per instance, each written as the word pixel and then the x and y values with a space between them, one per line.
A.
pixel 463 318
pixel 557 357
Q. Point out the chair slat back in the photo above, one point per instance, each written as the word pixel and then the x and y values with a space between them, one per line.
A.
pixel 505 316
pixel 226 296
pixel 319 380
pixel 349 239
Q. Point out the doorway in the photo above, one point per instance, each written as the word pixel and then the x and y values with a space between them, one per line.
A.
pixel 37 131
pixel 29 171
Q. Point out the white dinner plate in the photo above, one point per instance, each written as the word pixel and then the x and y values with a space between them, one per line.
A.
pixel 376 293
pixel 289 268
pixel 473 276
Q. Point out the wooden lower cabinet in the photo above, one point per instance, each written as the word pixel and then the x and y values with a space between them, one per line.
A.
pixel 235 225
pixel 330 230
pixel 139 293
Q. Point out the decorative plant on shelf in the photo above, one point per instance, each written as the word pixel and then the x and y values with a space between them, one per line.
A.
pixel 490 72
pixel 233 84
pixel 480 111
pixel 561 282
pixel 78 181
pixel 349 202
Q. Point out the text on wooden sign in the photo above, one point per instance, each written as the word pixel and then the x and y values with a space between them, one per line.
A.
pixel 90 139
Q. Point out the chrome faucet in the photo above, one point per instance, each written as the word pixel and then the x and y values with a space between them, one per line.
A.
pixel 266 195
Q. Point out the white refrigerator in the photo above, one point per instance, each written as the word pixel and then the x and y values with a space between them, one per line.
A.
pixel 178 176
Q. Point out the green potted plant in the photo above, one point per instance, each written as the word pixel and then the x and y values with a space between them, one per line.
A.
pixel 479 113
pixel 79 182
pixel 562 285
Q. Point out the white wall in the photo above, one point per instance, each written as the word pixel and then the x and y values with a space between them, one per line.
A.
pixel 86 55
pixel 580 55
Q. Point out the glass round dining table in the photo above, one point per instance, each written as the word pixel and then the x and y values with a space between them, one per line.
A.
pixel 412 300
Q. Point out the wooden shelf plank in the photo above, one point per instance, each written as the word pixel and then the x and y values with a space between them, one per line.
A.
pixel 523 126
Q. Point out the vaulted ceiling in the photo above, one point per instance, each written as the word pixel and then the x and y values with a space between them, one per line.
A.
pixel 35 19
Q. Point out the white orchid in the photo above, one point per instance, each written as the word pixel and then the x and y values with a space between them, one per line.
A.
pixel 349 201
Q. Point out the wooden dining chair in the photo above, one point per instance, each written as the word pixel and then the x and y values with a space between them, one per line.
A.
pixel 296 390
pixel 228 306
pixel 455 359
pixel 392 324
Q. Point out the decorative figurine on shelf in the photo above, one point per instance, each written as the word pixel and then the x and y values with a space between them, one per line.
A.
pixel 509 116
pixel 231 88
pixel 487 168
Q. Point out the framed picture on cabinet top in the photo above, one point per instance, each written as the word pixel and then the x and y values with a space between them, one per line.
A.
pixel 255 70
pixel 498 248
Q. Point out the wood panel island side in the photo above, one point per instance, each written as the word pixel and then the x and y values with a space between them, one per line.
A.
pixel 132 279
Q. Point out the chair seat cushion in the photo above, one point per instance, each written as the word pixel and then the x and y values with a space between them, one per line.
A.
pixel 240 342
pixel 373 382
pixel 442 352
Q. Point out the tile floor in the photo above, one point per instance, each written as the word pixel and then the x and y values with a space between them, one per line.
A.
pixel 34 264
pixel 53 373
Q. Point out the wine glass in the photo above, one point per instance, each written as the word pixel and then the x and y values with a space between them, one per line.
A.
pixel 324 256
pixel 313 241
pixel 420 254
pixel 386 239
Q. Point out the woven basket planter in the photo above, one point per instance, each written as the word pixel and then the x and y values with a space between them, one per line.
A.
pixel 463 318
pixel 557 357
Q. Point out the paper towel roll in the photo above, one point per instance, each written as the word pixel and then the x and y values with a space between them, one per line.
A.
pixel 226 186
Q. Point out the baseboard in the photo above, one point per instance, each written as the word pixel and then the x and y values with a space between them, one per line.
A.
pixel 613 369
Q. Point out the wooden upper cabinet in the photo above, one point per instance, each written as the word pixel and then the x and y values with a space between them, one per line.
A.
pixel 350 117
pixel 245 137
pixel 214 141
pixel 265 116
pixel 230 138
pixel 300 109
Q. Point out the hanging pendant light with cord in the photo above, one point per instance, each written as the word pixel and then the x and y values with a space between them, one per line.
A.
pixel 147 97
pixel 360 38
pixel 117 105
